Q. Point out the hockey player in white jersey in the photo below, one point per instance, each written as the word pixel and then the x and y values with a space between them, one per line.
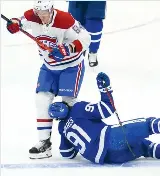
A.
pixel 63 69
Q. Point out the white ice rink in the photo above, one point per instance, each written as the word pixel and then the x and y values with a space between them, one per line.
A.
pixel 129 54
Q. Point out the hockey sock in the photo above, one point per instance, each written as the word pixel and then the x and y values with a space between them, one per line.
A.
pixel 151 149
pixel 154 125
pixel 94 27
pixel 154 150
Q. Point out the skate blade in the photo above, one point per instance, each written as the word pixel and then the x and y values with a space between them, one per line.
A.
pixel 46 154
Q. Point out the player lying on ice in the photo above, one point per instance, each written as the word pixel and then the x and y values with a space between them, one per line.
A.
pixel 82 130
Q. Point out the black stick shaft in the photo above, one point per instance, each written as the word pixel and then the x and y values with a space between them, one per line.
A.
pixel 125 138
pixel 5 18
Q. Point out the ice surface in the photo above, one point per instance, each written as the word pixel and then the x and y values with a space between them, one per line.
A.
pixel 129 54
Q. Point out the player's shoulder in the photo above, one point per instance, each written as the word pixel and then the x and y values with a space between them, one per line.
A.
pixel 63 20
pixel 79 107
pixel 30 16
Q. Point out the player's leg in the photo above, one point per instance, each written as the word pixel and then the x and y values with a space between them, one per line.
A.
pixel 70 83
pixel 135 131
pixel 94 24
pixel 154 124
pixel 151 149
pixel 123 155
pixel 144 148
pixel 78 10
pixel 45 92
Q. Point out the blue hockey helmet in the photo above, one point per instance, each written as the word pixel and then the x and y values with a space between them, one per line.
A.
pixel 58 110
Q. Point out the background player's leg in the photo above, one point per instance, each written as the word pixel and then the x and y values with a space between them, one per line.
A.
pixel 78 10
pixel 94 24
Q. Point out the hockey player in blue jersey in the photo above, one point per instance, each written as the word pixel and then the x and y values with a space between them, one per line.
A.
pixel 82 130
pixel 90 14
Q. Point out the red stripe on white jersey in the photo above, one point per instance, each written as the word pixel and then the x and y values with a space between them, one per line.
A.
pixel 77 79
pixel 44 120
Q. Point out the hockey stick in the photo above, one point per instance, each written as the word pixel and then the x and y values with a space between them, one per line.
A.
pixel 120 123
pixel 41 44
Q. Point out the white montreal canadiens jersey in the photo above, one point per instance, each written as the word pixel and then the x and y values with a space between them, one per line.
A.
pixel 62 29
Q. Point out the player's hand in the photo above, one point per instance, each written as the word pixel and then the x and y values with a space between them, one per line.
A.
pixel 13 26
pixel 102 80
pixel 59 52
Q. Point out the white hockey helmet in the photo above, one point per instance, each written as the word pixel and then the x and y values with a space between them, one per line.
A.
pixel 43 5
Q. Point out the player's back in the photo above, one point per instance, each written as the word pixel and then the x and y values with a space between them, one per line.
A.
pixel 86 134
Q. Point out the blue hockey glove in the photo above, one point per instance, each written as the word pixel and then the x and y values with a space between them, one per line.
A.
pixel 103 80
pixel 59 52
pixel 103 83
pixel 58 110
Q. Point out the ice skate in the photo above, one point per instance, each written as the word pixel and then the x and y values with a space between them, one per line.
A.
pixel 41 150
pixel 92 57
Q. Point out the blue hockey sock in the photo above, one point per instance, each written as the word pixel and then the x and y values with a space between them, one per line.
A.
pixel 154 150
pixel 151 149
pixel 154 125
pixel 94 27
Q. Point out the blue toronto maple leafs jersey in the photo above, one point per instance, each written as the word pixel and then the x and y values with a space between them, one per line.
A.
pixel 84 131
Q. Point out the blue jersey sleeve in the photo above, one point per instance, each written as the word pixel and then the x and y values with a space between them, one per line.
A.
pixel 66 149
pixel 102 109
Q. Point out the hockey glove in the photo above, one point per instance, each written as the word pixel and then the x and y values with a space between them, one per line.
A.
pixel 103 83
pixel 59 52
pixel 13 27
pixel 103 80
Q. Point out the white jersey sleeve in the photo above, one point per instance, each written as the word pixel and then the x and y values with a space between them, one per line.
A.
pixel 78 33
pixel 25 23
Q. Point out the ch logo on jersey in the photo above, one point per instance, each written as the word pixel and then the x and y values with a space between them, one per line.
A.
pixel 49 41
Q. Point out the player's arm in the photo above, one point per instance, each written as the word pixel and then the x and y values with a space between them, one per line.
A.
pixel 76 37
pixel 23 22
pixel 102 109
pixel 79 36
pixel 66 149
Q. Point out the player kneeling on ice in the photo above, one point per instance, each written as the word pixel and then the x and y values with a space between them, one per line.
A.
pixel 82 130
pixel 63 66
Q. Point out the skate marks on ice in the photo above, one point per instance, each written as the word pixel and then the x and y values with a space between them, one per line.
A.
pixel 143 24
pixel 138 163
